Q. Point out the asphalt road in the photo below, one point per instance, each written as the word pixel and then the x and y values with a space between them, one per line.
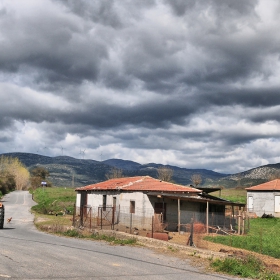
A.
pixel 26 253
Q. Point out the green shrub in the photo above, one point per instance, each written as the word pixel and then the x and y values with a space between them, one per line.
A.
pixel 248 267
pixel 113 239
pixel 72 233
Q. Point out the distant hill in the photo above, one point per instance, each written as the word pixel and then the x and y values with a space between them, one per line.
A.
pixel 122 164
pixel 64 170
pixel 71 172
pixel 252 177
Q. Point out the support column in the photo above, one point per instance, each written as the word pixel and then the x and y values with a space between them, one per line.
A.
pixel 179 216
pixel 207 217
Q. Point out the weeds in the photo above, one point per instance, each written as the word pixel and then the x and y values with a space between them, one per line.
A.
pixel 172 249
pixel 73 233
pixel 100 237
pixel 262 238
pixel 112 239
pixel 248 267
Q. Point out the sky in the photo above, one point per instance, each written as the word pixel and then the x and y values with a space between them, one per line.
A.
pixel 194 84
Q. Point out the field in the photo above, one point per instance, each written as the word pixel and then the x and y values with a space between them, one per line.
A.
pixel 263 237
pixel 54 201
pixel 236 195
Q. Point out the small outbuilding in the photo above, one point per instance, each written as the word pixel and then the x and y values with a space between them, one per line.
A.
pixel 264 199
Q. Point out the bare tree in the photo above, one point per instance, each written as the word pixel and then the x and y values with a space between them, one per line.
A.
pixel 165 173
pixel 114 173
pixel 196 179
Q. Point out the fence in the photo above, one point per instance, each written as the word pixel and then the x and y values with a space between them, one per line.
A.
pixel 192 229
pixel 149 223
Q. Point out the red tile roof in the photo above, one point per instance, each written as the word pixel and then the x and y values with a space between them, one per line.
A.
pixel 139 183
pixel 268 186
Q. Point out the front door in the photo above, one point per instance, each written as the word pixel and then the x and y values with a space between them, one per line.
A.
pixel 160 208
pixel 250 203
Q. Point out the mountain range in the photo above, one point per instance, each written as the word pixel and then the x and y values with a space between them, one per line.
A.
pixel 67 171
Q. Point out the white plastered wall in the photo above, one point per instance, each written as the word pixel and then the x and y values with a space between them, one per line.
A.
pixel 263 202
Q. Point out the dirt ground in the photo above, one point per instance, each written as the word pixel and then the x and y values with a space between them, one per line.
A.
pixel 199 242
pixel 182 239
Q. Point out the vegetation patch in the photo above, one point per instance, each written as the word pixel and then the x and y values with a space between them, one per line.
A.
pixel 62 229
pixel 54 201
pixel 112 239
pixel 263 237
pixel 232 194
pixel 249 267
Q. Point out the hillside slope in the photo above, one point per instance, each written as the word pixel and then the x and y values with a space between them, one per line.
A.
pixel 68 171
pixel 71 172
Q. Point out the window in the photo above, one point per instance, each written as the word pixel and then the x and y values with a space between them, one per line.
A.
pixel 250 203
pixel 132 206
pixel 104 202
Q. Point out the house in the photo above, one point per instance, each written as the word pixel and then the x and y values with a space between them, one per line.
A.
pixel 142 198
pixel 264 199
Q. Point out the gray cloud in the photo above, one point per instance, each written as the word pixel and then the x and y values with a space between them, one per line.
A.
pixel 164 81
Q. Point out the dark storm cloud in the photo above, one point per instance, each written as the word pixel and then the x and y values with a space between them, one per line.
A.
pixel 159 80
pixel 260 97
pixel 160 114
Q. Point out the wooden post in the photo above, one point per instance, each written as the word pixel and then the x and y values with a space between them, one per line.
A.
pixel 101 216
pixel 239 221
pixel 207 217
pixel 74 216
pixel 243 222
pixel 113 217
pixel 90 217
pixel 179 216
pixel 130 223
pixel 152 226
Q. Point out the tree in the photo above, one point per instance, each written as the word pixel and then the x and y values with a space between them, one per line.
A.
pixel 39 174
pixel 114 173
pixel 165 173
pixel 196 179
pixel 22 178
pixel 13 174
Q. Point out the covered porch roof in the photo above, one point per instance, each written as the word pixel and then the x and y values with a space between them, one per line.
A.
pixel 200 198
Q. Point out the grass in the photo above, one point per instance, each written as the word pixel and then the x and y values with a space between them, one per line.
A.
pixel 54 200
pixel 263 237
pixel 246 267
pixel 233 194
pixel 96 236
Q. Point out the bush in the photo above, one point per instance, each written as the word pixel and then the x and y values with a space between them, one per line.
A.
pixel 113 239
pixel 246 267
pixel 72 233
